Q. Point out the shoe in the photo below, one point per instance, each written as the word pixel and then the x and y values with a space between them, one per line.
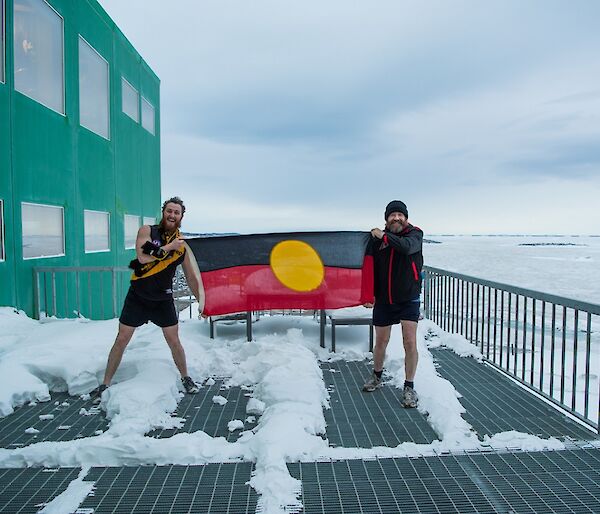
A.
pixel 373 383
pixel 189 385
pixel 410 398
pixel 96 394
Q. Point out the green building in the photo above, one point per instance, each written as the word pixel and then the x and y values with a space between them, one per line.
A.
pixel 79 144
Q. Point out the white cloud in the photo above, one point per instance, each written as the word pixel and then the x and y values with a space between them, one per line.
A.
pixel 290 116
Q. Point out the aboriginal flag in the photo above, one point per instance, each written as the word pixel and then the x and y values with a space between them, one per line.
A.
pixel 296 270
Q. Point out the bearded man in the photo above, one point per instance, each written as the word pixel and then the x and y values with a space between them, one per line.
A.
pixel 397 261
pixel 159 250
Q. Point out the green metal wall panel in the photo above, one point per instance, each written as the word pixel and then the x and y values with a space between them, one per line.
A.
pixel 7 270
pixel 48 158
pixel 150 150
pixel 127 147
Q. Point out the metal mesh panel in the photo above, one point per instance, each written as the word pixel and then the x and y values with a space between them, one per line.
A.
pixel 66 425
pixel 201 413
pixel 364 420
pixel 158 489
pixel 496 404
pixel 549 482
pixel 27 490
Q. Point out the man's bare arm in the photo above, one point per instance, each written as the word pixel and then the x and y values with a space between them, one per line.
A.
pixel 143 236
pixel 193 277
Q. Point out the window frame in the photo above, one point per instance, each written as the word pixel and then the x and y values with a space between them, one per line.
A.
pixel 139 114
pixel 85 250
pixel 64 235
pixel 153 131
pixel 107 137
pixel 2 231
pixel 64 85
pixel 3 40
pixel 125 216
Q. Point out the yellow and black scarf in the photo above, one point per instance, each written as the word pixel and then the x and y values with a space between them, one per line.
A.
pixel 156 266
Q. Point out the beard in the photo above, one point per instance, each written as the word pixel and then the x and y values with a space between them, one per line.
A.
pixel 395 228
pixel 162 226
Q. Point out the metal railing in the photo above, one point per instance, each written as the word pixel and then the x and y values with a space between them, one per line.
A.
pixel 94 292
pixel 545 342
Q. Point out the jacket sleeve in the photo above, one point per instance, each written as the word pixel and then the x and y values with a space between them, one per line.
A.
pixel 409 243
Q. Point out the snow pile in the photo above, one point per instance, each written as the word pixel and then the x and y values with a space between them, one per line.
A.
pixel 280 371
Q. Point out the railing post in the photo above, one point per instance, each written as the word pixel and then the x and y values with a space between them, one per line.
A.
pixel 113 276
pixel 36 294
pixel 426 295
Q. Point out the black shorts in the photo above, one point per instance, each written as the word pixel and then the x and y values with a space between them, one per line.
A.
pixel 137 311
pixel 385 314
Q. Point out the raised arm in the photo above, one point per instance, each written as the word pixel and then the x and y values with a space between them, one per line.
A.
pixel 145 249
pixel 410 243
pixel 143 237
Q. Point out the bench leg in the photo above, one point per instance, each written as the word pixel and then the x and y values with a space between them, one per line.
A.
pixel 371 337
pixel 212 328
pixel 322 327
pixel 333 335
pixel 249 326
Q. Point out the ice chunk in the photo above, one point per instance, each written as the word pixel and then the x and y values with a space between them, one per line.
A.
pixel 236 424
pixel 255 406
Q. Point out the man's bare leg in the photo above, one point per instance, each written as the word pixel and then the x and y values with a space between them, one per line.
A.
pixel 410 399
pixel 411 358
pixel 382 338
pixel 116 352
pixel 172 337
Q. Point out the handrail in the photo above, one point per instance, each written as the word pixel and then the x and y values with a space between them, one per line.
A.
pixel 538 295
pixel 541 340
pixel 64 296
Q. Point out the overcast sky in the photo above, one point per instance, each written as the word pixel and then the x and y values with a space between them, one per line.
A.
pixel 483 116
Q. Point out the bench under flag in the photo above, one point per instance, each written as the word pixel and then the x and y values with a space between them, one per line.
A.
pixel 294 270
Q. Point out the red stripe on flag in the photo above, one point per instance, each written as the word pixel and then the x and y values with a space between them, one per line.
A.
pixel 255 287
pixel 368 278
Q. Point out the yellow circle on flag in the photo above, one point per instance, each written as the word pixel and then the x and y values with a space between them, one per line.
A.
pixel 297 265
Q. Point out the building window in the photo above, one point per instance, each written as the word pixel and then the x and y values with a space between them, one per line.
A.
pixel 93 90
pixel 2 230
pixel 43 230
pixel 149 220
pixel 38 53
pixel 132 225
pixel 2 46
pixel 96 231
pixel 131 100
pixel 147 116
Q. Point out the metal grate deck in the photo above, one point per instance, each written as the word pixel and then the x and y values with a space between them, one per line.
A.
pixel 496 404
pixel 201 413
pixel 363 420
pixel 27 490
pixel 214 488
pixel 566 481
pixel 523 483
pixel 68 423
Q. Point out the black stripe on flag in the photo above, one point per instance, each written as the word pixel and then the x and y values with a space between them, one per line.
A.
pixel 342 249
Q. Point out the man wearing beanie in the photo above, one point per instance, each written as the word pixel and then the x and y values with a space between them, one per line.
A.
pixel 398 260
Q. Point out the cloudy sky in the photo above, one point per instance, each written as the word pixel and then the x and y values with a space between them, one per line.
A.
pixel 277 115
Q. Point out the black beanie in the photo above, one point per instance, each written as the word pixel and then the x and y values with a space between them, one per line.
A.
pixel 395 206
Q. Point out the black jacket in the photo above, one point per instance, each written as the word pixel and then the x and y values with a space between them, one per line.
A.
pixel 397 265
